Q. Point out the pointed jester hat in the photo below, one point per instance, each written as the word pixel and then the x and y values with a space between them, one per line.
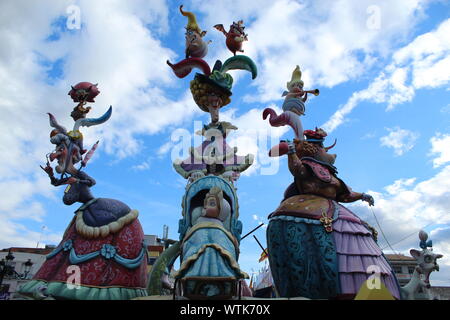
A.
pixel 296 78
pixel 192 21
pixel 220 81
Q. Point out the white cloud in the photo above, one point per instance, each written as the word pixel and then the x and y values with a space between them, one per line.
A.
pixel 440 147
pixel 399 185
pixel 115 48
pixel 255 136
pixel 400 140
pixel 165 148
pixel 332 41
pixel 16 235
pixel 142 166
pixel 369 135
pixel 375 91
pixel 423 63
pixel 260 220
pixel 445 109
pixel 409 205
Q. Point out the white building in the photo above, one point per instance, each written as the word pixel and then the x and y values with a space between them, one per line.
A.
pixel 403 267
pixel 11 283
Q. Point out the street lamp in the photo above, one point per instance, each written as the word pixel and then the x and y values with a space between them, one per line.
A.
pixel 6 266
pixel 8 270
pixel 28 266
pixel 9 257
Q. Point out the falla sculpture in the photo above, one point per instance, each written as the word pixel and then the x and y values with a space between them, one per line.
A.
pixel 293 107
pixel 196 48
pixel 235 36
pixel 426 264
pixel 104 240
pixel 317 247
pixel 210 228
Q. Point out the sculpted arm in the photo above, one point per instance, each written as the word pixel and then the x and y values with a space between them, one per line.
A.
pixel 296 167
pixel 349 197
pixel 355 196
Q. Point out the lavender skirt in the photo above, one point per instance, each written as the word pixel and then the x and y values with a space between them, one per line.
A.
pixel 342 257
pixel 356 251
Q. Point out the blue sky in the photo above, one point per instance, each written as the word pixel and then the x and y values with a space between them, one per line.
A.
pixel 383 72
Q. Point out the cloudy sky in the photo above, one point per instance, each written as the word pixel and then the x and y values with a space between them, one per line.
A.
pixel 382 67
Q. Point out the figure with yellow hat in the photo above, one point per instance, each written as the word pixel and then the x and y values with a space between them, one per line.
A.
pixel 296 96
pixel 195 45
pixel 293 105
pixel 196 49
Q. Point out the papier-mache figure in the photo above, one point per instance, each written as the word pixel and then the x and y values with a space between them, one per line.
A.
pixel 82 93
pixel 293 106
pixel 426 264
pixel 235 36
pixel 196 49
pixel 210 229
pixel 318 248
pixel 103 243
pixel 296 96
pixel 215 156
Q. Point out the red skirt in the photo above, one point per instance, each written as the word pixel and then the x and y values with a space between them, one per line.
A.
pixel 99 271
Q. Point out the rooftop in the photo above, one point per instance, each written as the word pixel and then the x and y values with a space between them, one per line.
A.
pixel 398 257
pixel 45 250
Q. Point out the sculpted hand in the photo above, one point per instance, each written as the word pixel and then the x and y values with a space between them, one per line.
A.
pixel 291 147
pixel 368 198
pixel 48 169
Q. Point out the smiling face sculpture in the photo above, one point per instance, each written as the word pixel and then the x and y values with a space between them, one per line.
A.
pixel 196 47
pixel 209 97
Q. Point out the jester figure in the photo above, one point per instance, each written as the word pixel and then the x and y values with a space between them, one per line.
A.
pixel 317 247
pixel 195 45
pixel 195 50
pixel 102 254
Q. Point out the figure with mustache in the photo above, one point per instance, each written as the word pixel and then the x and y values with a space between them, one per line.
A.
pixel 195 48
